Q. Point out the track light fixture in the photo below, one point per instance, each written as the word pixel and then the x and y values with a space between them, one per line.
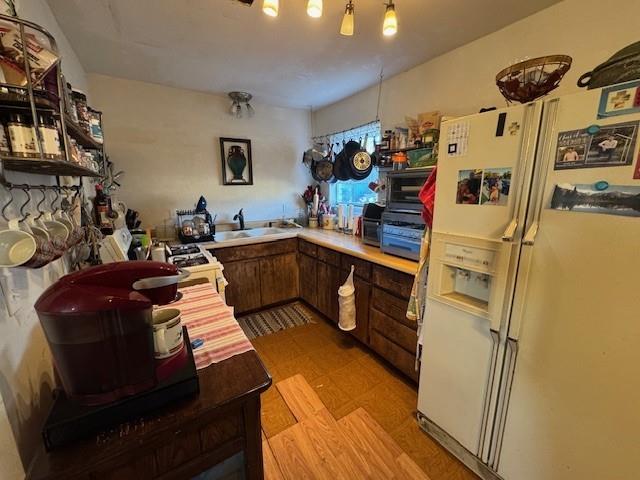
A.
pixel 390 23
pixel 347 21
pixel 314 9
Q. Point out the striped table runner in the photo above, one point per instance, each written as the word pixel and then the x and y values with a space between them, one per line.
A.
pixel 206 316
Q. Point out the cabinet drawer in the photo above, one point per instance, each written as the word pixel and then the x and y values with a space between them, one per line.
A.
pixel 139 468
pixel 329 256
pixel 395 355
pixel 398 283
pixel 362 267
pixel 232 254
pixel 180 449
pixel 398 333
pixel 221 431
pixel 307 248
pixel 395 307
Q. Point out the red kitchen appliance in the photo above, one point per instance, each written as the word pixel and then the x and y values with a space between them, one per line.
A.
pixel 98 324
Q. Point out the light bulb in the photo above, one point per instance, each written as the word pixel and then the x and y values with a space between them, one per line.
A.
pixel 270 7
pixel 390 24
pixel 347 21
pixel 314 8
pixel 232 110
pixel 250 111
pixel 238 111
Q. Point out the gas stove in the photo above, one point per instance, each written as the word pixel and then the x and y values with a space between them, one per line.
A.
pixel 183 249
pixel 183 261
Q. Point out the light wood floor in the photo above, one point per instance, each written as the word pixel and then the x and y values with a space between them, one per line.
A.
pixel 335 403
pixel 319 447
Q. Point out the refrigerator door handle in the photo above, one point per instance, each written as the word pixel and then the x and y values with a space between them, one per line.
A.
pixel 510 231
pixel 495 346
pixel 530 237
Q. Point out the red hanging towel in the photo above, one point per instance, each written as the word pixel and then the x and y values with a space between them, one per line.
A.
pixel 427 196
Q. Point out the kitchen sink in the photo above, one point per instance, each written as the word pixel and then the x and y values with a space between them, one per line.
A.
pixel 250 233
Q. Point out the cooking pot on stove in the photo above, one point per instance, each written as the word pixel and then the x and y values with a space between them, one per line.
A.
pixel 623 66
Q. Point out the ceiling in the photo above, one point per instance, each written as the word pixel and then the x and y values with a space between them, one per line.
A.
pixel 292 60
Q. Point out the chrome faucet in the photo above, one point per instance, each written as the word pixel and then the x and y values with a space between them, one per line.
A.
pixel 239 217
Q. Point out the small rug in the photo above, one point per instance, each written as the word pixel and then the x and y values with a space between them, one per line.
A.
pixel 274 320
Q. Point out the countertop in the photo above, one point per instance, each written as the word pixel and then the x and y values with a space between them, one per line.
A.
pixel 334 240
pixel 356 247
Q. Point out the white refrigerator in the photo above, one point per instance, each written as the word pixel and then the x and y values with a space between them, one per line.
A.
pixel 530 366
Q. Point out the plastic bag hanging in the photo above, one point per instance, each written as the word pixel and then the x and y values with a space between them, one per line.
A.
pixel 347 304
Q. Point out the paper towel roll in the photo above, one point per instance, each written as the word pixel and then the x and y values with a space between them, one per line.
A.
pixel 341 224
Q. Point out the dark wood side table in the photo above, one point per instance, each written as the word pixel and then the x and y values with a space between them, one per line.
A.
pixel 180 441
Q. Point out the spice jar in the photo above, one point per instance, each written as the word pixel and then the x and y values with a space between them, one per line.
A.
pixel 95 125
pixel 80 100
pixel 50 136
pixel 22 136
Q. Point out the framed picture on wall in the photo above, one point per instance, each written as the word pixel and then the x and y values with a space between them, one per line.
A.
pixel 237 166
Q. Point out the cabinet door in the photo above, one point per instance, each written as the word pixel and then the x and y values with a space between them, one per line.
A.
pixel 363 295
pixel 328 284
pixel 309 280
pixel 279 278
pixel 243 291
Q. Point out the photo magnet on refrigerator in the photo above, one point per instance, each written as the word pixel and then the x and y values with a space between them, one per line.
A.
pixel 496 183
pixel 621 200
pixel 597 146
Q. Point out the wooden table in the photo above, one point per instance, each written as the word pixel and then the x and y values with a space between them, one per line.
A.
pixel 180 441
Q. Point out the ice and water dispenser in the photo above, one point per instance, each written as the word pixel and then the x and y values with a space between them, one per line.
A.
pixel 468 274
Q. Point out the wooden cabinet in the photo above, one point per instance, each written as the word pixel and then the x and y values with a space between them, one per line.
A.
pixel 260 275
pixel 308 279
pixel 182 440
pixel 363 300
pixel 327 291
pixel 398 283
pixel 279 278
pixel 270 273
pixel 243 291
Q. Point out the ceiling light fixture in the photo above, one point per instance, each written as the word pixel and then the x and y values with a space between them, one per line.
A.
pixel 314 8
pixel 347 21
pixel 239 98
pixel 270 7
pixel 390 24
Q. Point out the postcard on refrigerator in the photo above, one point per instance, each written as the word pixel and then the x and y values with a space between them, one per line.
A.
pixel 608 199
pixel 458 139
pixel 620 100
pixel 597 146
pixel 496 183
pixel 469 184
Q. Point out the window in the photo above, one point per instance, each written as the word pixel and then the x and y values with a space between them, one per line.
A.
pixel 356 192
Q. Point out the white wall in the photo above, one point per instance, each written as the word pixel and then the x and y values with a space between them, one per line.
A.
pixel 463 80
pixel 25 365
pixel 167 141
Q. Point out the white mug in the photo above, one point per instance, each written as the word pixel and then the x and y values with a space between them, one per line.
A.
pixel 167 332
pixel 16 246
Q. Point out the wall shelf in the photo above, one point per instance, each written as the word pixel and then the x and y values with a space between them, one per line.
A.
pixel 79 135
pixel 46 167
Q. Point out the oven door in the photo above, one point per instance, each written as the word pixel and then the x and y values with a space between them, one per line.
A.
pixel 403 190
pixel 405 247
